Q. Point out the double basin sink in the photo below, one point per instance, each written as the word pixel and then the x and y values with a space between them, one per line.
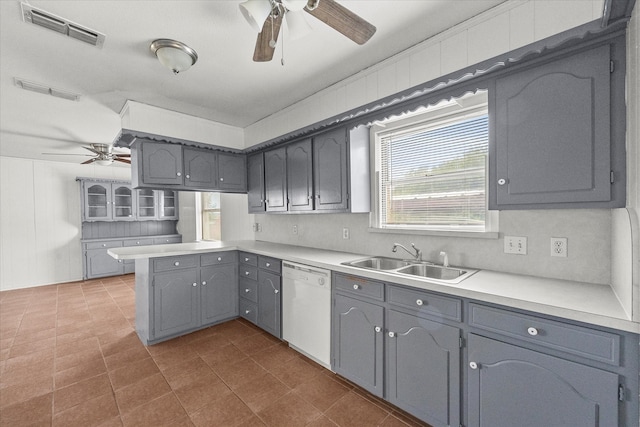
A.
pixel 416 269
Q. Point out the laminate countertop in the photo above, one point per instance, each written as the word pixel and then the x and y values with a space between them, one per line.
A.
pixel 584 302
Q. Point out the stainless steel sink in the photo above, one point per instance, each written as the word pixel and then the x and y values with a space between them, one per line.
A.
pixel 433 271
pixel 379 263
pixel 414 268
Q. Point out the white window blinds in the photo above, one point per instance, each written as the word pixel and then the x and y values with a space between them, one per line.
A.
pixel 434 176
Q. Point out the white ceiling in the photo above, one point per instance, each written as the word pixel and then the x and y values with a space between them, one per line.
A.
pixel 225 85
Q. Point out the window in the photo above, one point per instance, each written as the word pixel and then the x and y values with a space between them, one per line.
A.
pixel 210 216
pixel 431 168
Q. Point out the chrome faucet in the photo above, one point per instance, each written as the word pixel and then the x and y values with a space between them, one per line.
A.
pixel 417 255
pixel 445 261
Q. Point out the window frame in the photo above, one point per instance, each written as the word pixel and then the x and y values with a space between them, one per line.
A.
pixel 437 115
pixel 200 208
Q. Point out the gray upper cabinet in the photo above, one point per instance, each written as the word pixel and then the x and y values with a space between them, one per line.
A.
pixel 146 204
pixel 553 135
pixel 255 183
pixel 167 204
pixel 161 163
pixel 123 203
pixel 330 165
pixel 200 168
pixel 275 179
pixel 510 385
pixel 96 201
pixel 232 174
pixel 300 176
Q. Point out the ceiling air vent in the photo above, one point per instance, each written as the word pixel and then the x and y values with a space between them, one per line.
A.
pixel 45 89
pixel 60 25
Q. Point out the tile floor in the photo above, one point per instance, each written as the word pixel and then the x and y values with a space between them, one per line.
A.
pixel 69 356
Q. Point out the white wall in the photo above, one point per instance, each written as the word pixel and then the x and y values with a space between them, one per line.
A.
pixel 504 28
pixel 40 220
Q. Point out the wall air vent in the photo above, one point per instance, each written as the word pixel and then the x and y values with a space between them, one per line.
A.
pixel 46 90
pixel 60 25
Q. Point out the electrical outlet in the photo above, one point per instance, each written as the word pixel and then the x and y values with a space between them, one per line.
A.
pixel 294 230
pixel 345 233
pixel 259 228
pixel 256 226
pixel 559 246
pixel 515 245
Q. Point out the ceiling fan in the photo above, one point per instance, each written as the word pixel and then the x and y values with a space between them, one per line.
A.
pixel 103 155
pixel 266 17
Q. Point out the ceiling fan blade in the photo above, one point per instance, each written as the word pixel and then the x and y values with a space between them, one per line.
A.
pixel 270 31
pixel 93 150
pixel 122 154
pixel 343 20
pixel 67 154
pixel 118 159
pixel 89 161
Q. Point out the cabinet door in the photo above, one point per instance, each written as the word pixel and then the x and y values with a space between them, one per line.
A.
pixel 146 204
pixel 330 163
pixel 161 163
pixel 300 176
pixel 167 204
pixel 357 334
pixel 255 183
pixel 100 264
pixel 97 201
pixel 275 180
pixel 232 172
pixel 552 136
pixel 510 385
pixel 269 303
pixel 200 168
pixel 175 302
pixel 219 293
pixel 123 202
pixel 423 368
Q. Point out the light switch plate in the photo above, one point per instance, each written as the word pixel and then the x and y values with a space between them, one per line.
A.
pixel 515 245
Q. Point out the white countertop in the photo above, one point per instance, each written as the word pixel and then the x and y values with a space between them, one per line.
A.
pixel 584 302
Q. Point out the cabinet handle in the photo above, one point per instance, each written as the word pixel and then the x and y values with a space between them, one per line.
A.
pixel 356 287
pixel 502 181
pixel 176 263
pixel 179 174
pixel 419 302
pixel 219 258
pixel 104 245
pixel 268 264
pixel 221 179
pixel 187 176
pixel 247 290
pixel 275 291
pixel 194 284
pixel 392 334
pixel 120 261
pixel 204 283
pixel 532 331
pixel 246 260
pixel 247 311
pixel 377 329
pixel 473 365
pixel 246 273
pixel 137 243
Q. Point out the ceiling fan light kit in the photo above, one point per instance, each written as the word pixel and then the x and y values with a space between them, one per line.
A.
pixel 256 12
pixel 297 24
pixel 174 55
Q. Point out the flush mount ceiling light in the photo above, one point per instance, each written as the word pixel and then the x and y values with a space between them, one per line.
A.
pixel 174 55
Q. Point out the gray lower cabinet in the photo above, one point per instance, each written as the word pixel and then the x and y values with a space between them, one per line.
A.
pixel 259 291
pixel 357 335
pixel 98 263
pixel 423 368
pixel 513 386
pixel 184 293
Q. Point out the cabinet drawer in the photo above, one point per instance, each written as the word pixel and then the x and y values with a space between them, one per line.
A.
pixel 104 245
pixel 580 341
pixel 249 310
pixel 218 258
pixel 248 272
pixel 167 240
pixel 425 303
pixel 247 258
pixel 175 263
pixel 268 263
pixel 248 289
pixel 138 242
pixel 359 286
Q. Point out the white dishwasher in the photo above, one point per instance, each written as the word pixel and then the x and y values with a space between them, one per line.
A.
pixel 306 310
